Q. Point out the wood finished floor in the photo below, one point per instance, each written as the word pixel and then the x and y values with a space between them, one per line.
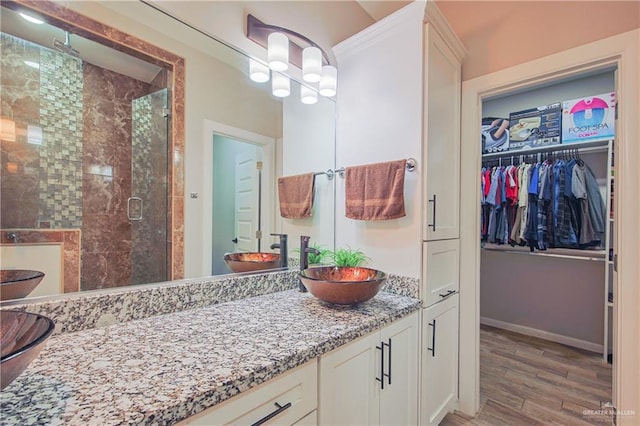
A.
pixel 528 381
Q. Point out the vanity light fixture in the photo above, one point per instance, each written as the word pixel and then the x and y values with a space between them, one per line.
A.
pixel 31 18
pixel 258 72
pixel 278 51
pixel 280 85
pixel 308 96
pixel 286 47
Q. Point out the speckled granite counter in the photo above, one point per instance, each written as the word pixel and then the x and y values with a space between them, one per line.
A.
pixel 162 369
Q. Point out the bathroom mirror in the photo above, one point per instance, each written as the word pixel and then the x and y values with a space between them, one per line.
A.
pixel 106 198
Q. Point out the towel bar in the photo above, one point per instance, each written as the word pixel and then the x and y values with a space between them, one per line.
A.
pixel 411 166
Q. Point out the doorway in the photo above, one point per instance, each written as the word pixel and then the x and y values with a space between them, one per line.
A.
pixel 227 148
pixel 236 220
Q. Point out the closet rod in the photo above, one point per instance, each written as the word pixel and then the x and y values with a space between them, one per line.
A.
pixel 581 147
pixel 538 253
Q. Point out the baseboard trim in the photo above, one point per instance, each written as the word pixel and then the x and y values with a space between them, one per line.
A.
pixel 529 331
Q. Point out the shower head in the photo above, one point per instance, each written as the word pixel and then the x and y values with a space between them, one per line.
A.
pixel 66 46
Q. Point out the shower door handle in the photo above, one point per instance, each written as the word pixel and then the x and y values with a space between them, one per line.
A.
pixel 139 200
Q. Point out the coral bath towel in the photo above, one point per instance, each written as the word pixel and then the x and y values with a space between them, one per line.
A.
pixel 375 191
pixel 296 196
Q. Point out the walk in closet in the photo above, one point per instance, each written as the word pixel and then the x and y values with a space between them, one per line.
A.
pixel 557 283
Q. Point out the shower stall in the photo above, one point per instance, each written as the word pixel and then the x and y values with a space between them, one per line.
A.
pixel 86 147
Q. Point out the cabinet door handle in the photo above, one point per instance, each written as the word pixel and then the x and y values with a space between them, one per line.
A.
pixel 129 200
pixel 388 360
pixel 279 409
pixel 433 225
pixel 447 294
pixel 433 339
pixel 381 378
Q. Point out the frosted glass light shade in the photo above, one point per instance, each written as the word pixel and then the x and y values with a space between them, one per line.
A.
pixel 280 85
pixel 329 81
pixel 278 51
pixel 308 96
pixel 258 72
pixel 311 64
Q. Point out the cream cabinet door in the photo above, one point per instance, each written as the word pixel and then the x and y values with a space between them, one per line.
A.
pixel 399 398
pixel 441 138
pixel 439 360
pixel 440 270
pixel 349 392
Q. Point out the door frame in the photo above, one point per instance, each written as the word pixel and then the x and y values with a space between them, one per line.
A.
pixel 268 145
pixel 621 51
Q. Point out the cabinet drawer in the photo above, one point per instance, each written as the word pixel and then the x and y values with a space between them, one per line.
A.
pixel 297 388
pixel 440 270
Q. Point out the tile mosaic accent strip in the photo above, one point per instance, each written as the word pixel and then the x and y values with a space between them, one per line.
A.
pixel 154 372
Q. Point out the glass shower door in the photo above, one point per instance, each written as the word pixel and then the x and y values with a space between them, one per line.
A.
pixel 147 208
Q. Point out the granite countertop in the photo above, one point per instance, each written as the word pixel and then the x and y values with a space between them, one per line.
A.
pixel 163 369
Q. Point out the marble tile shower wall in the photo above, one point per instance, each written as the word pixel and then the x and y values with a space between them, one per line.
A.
pixel 41 181
pixel 107 159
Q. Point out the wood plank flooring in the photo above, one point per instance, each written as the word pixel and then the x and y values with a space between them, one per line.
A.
pixel 528 381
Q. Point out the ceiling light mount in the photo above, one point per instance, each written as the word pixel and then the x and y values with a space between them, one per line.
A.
pixel 258 32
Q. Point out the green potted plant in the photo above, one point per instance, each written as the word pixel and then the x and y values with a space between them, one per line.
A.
pixel 324 254
pixel 349 257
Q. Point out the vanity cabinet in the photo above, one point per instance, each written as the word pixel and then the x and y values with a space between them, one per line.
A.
pixel 286 400
pixel 372 381
pixel 439 360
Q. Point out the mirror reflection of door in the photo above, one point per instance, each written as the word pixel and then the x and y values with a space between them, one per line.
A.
pixel 246 201
pixel 236 189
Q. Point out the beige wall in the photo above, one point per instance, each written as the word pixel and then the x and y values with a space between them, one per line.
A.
pixel 500 34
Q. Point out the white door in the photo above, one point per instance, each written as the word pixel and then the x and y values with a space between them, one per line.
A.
pixel 349 392
pixel 439 360
pixel 441 139
pixel 399 398
pixel 246 203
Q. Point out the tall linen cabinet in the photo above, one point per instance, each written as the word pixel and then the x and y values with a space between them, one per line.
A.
pixel 399 97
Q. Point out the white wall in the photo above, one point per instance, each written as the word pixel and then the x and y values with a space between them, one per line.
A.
pixel 308 146
pixel 380 119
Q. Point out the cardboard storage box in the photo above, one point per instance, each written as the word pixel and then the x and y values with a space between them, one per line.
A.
pixel 535 127
pixel 495 134
pixel 589 119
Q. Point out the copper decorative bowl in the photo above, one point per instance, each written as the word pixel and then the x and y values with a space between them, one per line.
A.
pixel 22 336
pixel 343 285
pixel 18 283
pixel 251 261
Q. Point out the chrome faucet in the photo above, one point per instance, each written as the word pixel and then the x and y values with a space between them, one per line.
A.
pixel 11 236
pixel 304 257
pixel 282 245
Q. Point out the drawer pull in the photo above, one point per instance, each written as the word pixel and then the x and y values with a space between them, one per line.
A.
pixel 381 378
pixel 447 294
pixel 279 409
pixel 432 349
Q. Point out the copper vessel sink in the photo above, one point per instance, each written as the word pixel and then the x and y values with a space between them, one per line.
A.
pixel 22 336
pixel 343 285
pixel 18 283
pixel 251 261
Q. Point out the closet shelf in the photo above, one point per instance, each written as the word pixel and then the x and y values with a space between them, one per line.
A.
pixel 589 255
pixel 595 146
